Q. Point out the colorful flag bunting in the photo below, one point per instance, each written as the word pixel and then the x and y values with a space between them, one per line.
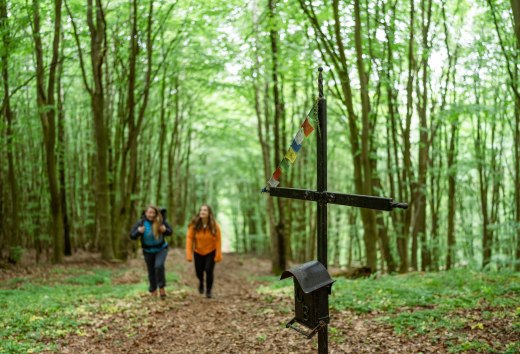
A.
pixel 307 127
pixel 313 113
pixel 313 118
pixel 291 155
pixel 305 130
pixel 273 183
pixel 277 173
pixel 299 137
pixel 295 146
pixel 284 165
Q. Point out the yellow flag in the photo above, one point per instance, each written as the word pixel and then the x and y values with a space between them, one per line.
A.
pixel 291 155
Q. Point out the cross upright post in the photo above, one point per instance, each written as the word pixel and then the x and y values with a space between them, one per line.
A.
pixel 321 171
pixel 323 197
pixel 321 181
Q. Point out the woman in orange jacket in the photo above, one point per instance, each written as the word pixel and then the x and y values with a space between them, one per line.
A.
pixel 203 242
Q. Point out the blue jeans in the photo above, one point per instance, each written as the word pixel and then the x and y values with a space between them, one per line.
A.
pixel 155 264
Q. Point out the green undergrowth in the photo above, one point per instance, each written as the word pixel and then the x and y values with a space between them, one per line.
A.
pixel 456 301
pixel 38 310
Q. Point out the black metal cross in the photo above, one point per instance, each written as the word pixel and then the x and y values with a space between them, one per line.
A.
pixel 322 197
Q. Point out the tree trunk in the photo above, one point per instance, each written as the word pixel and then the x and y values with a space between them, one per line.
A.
pixel 14 226
pixel 47 111
pixel 101 187
pixel 186 178
pixel 129 176
pixel 517 179
pixel 513 84
pixel 407 156
pixel 61 162
pixel 97 31
pixel 161 197
pixel 128 172
pixel 173 183
pixel 396 181
pixel 515 5
pixel 419 230
pixel 451 256
pixel 279 250
pixel 452 159
pixel 483 188
pixel 367 149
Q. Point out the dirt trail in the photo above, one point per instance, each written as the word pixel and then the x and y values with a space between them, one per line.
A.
pixel 238 319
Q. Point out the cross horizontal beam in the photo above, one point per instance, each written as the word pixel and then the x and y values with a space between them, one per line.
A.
pixel 355 200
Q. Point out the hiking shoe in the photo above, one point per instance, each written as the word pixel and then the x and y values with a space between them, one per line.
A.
pixel 153 293
pixel 201 289
pixel 208 295
pixel 163 293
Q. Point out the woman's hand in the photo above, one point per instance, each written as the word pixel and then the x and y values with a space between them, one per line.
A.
pixel 141 229
pixel 162 228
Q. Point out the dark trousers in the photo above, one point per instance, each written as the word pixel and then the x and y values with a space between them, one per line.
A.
pixel 155 264
pixel 205 264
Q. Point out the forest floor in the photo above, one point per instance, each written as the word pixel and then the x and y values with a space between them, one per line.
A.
pixel 244 316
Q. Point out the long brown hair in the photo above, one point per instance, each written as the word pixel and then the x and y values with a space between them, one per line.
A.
pixel 196 222
pixel 157 222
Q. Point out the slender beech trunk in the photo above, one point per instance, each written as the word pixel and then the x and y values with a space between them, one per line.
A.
pixel 397 176
pixel 407 155
pixel 97 29
pixel 264 137
pixel 186 159
pixel 14 225
pixel 480 150
pixel 279 251
pixel 159 195
pixel 173 180
pixel 367 215
pixel 452 149
pixel 3 234
pixel 419 229
pixel 128 171
pixel 452 158
pixel 61 161
pixel 515 5
pixel 47 111
pixel 436 164
pixel 512 69
pixel 517 181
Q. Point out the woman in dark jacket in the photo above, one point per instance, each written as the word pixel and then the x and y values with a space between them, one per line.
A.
pixel 151 228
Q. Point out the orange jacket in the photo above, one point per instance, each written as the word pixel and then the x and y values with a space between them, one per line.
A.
pixel 204 241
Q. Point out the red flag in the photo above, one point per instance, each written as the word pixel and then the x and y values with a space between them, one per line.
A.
pixel 277 173
pixel 307 127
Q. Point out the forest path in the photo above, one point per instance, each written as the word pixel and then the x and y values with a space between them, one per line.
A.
pixel 238 319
